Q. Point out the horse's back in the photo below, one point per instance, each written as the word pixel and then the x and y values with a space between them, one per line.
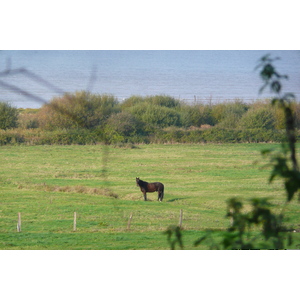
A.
pixel 154 187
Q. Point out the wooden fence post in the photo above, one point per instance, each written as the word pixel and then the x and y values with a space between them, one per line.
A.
pixel 180 218
pixel 129 222
pixel 19 222
pixel 74 223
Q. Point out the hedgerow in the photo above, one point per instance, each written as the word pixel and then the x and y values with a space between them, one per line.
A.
pixel 85 118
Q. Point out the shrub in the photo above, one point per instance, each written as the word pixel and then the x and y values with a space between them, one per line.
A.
pixel 78 110
pixel 196 115
pixel 263 118
pixel 8 116
pixel 155 115
pixel 229 114
pixel 160 100
pixel 125 124
pixel 163 100
pixel 132 101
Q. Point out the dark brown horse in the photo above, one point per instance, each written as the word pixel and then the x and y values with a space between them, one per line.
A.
pixel 150 188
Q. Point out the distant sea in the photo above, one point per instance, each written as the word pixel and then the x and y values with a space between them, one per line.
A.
pixel 186 75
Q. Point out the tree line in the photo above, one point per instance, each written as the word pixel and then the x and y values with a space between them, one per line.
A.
pixel 86 118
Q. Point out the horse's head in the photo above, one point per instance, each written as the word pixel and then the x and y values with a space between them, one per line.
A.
pixel 137 180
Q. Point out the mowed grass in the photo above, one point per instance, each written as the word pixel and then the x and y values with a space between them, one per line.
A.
pixel 47 184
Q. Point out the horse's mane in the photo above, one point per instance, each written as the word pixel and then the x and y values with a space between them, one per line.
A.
pixel 142 182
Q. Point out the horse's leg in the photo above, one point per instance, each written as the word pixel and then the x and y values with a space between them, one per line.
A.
pixel 160 195
pixel 145 196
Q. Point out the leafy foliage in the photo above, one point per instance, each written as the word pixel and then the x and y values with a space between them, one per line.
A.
pixel 241 235
pixel 155 115
pixel 8 116
pixel 79 110
pixel 258 118
pixel 229 114
pixel 196 115
pixel 125 124
pixel 285 163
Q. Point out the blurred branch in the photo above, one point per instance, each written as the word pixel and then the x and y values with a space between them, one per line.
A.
pixel 33 76
pixel 175 231
pixel 92 79
pixel 15 89
pixel 40 100
pixel 18 90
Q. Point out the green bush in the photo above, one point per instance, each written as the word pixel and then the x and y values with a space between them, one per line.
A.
pixel 125 123
pixel 262 118
pixel 231 113
pixel 123 127
pixel 160 100
pixel 8 116
pixel 196 115
pixel 132 101
pixel 78 110
pixel 222 111
pixel 163 100
pixel 155 115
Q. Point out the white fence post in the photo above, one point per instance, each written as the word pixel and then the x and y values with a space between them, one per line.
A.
pixel 180 219
pixel 129 222
pixel 19 222
pixel 74 223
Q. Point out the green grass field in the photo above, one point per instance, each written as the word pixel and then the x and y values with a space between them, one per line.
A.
pixel 47 184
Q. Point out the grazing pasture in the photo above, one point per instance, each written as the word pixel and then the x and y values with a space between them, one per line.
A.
pixel 47 184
